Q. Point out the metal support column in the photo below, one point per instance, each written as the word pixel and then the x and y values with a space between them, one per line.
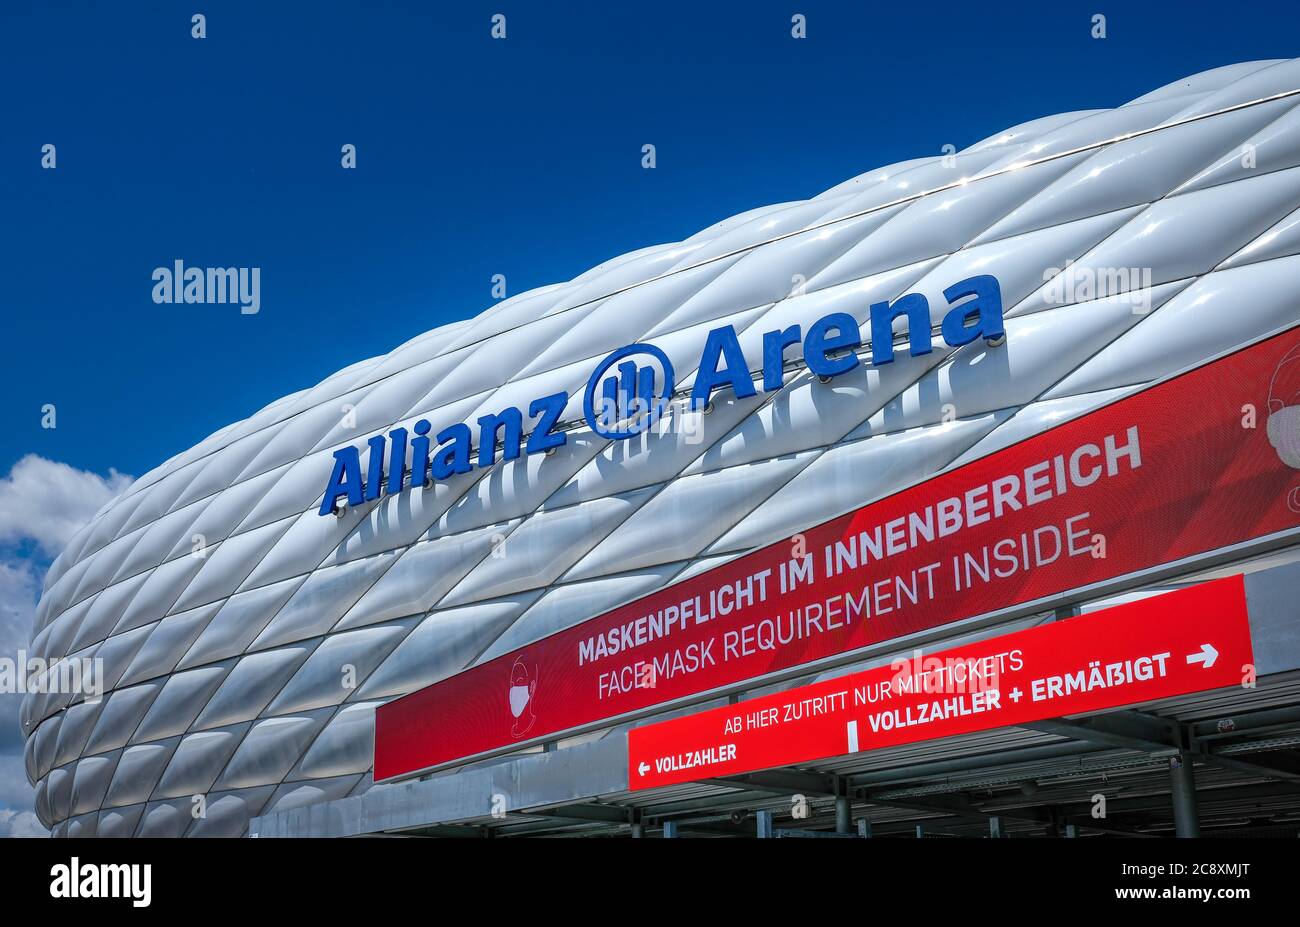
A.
pixel 670 828
pixel 864 827
pixel 764 823
pixel 843 815
pixel 638 830
pixel 1183 782
pixel 995 827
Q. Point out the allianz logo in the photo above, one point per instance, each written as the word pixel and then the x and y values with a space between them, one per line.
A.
pixel 76 879
pixel 624 398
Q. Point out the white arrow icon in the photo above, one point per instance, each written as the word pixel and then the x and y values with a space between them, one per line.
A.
pixel 643 768
pixel 1205 656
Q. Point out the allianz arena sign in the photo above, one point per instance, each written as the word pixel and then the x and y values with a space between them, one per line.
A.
pixel 634 397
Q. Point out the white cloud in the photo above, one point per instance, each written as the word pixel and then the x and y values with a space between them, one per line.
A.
pixel 19 589
pixel 21 824
pixel 48 501
pixel 20 584
pixel 16 793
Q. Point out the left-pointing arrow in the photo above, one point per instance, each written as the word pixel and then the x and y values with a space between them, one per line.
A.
pixel 643 768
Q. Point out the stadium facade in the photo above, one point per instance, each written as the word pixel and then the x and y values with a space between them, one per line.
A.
pixel 249 623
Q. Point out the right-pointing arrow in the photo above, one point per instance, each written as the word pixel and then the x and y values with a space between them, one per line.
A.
pixel 1205 656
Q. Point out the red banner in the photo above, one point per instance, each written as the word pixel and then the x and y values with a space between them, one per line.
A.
pixel 1187 641
pixel 1177 470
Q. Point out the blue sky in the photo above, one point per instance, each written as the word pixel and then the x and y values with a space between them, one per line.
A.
pixel 474 157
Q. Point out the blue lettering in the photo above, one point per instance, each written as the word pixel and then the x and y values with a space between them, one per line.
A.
pixel 774 345
pixel 344 481
pixel 512 420
pixel 985 311
pixel 722 344
pixel 452 456
pixel 819 344
pixel 420 453
pixel 549 409
pixel 397 460
pixel 375 471
pixel 916 309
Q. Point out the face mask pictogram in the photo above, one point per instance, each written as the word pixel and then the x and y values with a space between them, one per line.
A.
pixel 523 686
pixel 1283 428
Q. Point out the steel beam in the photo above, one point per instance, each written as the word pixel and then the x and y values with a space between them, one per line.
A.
pixel 990 762
pixel 1288 772
pixel 1126 730
pixel 1266 721
pixel 1183 795
pixel 843 815
pixel 782 781
pixel 589 812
